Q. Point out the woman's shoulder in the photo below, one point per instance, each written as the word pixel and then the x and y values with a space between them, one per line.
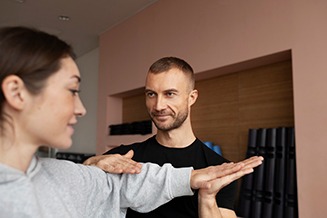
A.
pixel 67 169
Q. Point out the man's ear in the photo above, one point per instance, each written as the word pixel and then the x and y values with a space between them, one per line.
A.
pixel 193 96
pixel 13 89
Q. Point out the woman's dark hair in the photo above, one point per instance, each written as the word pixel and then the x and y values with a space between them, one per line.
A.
pixel 30 54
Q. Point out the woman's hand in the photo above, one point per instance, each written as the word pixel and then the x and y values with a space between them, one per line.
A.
pixel 211 179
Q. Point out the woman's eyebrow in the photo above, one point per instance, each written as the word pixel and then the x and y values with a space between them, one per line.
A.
pixel 77 77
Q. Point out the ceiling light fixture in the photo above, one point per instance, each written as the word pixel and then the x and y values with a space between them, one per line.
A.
pixel 63 18
pixel 20 1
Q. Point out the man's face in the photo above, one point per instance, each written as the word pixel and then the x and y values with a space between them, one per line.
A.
pixel 167 98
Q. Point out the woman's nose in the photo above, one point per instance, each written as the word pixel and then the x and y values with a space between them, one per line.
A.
pixel 79 109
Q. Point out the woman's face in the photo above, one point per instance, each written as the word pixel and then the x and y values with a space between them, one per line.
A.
pixel 51 115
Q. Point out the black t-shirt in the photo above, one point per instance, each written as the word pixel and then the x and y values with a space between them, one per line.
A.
pixel 196 155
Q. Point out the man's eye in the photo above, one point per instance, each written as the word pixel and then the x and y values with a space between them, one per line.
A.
pixel 169 94
pixel 150 94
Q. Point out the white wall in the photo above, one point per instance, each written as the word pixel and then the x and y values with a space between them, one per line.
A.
pixel 84 138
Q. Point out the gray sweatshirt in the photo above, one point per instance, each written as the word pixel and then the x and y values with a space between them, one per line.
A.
pixel 57 188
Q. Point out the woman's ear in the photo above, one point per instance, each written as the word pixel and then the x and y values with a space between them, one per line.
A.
pixel 13 89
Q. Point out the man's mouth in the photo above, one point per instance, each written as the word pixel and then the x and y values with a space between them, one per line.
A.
pixel 160 117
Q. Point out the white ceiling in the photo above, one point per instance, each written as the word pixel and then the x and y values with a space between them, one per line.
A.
pixel 88 18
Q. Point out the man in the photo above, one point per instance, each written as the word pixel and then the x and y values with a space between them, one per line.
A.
pixel 170 93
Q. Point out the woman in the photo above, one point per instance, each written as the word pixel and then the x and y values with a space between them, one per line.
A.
pixel 39 105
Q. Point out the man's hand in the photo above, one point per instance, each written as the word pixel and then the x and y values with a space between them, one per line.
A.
pixel 115 163
pixel 214 178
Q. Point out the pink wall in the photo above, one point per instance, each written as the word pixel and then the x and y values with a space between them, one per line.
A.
pixel 310 76
pixel 223 32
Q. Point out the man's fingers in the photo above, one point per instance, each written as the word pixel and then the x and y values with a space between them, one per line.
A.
pixel 90 160
pixel 126 164
pixel 116 163
pixel 129 154
pixel 131 165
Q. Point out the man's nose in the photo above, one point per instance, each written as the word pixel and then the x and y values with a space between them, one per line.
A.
pixel 160 103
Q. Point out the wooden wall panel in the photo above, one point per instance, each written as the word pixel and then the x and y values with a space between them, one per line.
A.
pixel 257 98
pixel 215 114
pixel 229 105
pixel 134 108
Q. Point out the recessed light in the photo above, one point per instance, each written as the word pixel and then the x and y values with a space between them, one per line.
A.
pixel 20 1
pixel 63 18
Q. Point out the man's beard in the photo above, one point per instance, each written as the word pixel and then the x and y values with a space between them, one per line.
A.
pixel 177 122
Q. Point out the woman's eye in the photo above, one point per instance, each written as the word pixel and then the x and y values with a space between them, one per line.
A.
pixel 74 91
